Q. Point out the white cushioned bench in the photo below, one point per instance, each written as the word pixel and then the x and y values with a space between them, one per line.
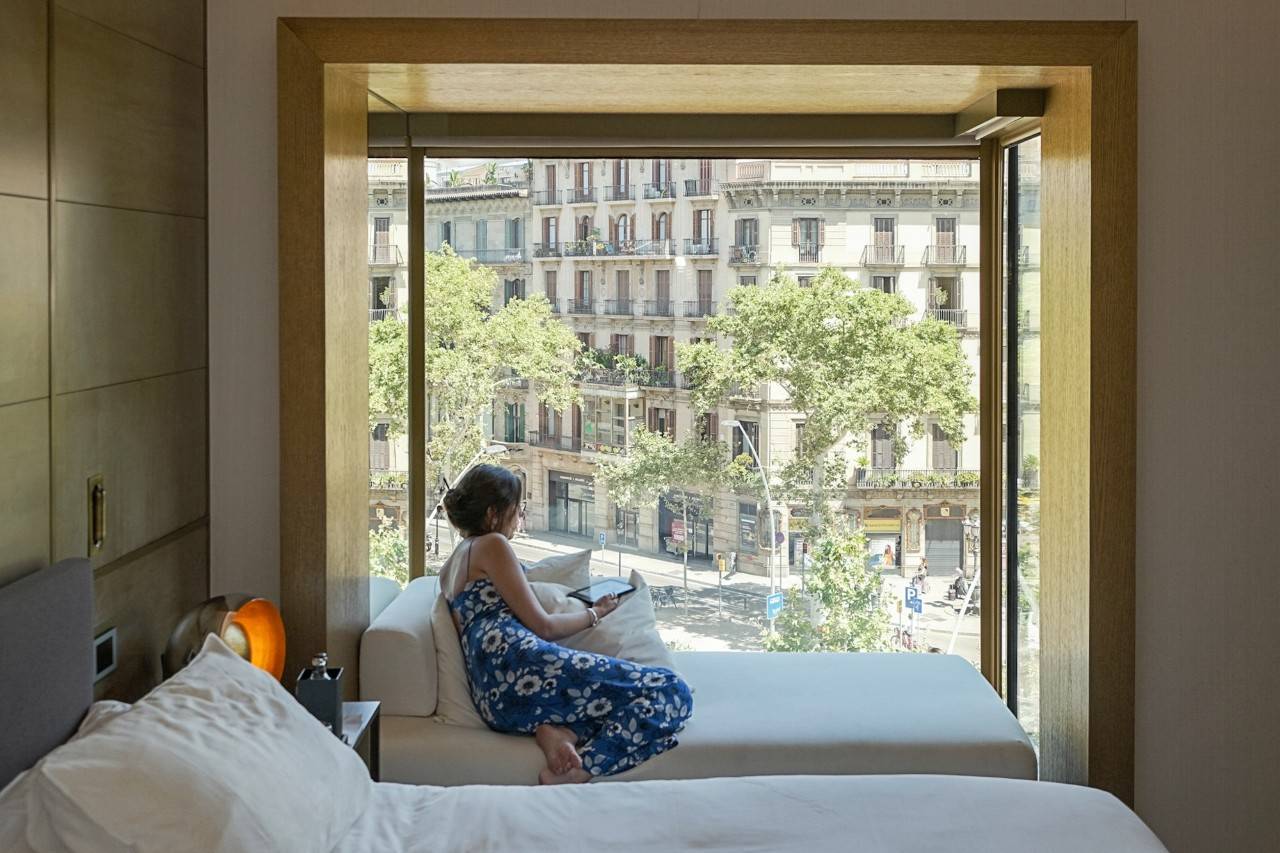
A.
pixel 755 713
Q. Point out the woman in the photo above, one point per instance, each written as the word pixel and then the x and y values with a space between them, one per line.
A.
pixel 591 715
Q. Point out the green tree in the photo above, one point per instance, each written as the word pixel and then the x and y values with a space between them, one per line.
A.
pixel 848 357
pixel 491 174
pixel 388 552
pixel 471 351
pixel 840 610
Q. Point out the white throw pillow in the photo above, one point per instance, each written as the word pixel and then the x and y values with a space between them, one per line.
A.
pixel 218 758
pixel 453 701
pixel 630 632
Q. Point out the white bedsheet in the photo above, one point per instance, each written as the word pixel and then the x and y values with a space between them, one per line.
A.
pixel 807 814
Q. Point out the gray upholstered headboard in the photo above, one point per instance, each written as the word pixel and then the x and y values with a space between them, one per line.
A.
pixel 46 662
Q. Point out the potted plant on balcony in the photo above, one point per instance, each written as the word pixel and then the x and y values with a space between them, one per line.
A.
pixel 595 244
pixel 863 472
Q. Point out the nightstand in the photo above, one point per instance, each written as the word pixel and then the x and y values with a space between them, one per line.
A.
pixel 361 722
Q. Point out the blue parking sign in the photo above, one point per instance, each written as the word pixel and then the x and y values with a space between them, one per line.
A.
pixel 602 541
pixel 913 599
pixel 773 605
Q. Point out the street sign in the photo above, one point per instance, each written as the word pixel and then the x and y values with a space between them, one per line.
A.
pixel 602 540
pixel 779 538
pixel 914 601
pixel 773 605
pixel 677 531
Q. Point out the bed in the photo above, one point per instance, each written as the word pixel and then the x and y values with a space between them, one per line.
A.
pixel 221 758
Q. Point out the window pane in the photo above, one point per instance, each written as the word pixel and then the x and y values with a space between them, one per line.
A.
pixel 641 260
pixel 1022 431
pixel 388 315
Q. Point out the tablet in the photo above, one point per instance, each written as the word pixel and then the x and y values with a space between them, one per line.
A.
pixel 598 589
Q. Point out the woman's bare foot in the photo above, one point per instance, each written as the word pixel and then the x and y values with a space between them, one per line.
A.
pixel 558 744
pixel 575 776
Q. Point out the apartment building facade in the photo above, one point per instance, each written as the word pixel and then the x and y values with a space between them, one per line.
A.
pixel 635 255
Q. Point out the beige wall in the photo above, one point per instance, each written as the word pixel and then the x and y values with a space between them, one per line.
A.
pixel 103 350
pixel 1207 751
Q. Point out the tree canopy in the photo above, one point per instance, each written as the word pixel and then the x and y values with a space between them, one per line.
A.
pixel 471 351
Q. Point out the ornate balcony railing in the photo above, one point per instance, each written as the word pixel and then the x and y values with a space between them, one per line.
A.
pixel 699 308
pixel 566 443
pixel 898 478
pixel 582 306
pixel 580 195
pixel 620 192
pixel 704 247
pixel 699 187
pixel 512 255
pixel 659 190
pixel 944 256
pixel 546 197
pixel 875 255
pixel 746 254
pixel 546 250
pixel 607 376
pixel 385 255
pixel 376 314
pixel 658 377
pixel 663 246
pixel 809 253
pixel 659 308
pixel 958 317
pixel 619 307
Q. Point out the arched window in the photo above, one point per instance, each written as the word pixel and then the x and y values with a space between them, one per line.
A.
pixel 663 231
pixel 584 227
pixel 624 228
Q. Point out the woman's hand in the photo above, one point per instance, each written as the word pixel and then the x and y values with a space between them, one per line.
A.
pixel 605 605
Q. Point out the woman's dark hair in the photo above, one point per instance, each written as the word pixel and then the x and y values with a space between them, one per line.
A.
pixel 482 488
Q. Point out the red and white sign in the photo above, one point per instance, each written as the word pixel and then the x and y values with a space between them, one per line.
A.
pixel 677 531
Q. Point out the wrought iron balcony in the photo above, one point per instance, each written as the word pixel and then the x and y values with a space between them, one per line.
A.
pixel 898 478
pixel 565 443
pixel 659 308
pixel 546 250
pixel 875 255
pixel 582 306
pixel 944 256
pixel 620 192
pixel 699 187
pixel 746 255
pixel 607 376
pixel 703 247
pixel 385 255
pixel 555 304
pixel 546 197
pixel 618 307
pixel 659 190
pixel 664 246
pixel 659 377
pixel 377 314
pixel 511 380
pixel 699 308
pixel 958 317
pixel 809 252
pixel 580 195
pixel 594 248
pixel 513 255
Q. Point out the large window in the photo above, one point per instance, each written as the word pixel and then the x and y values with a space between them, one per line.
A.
pixel 611 343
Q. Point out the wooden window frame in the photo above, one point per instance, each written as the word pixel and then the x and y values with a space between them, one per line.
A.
pixel 1088 335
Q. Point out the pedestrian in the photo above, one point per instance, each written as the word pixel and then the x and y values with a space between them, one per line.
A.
pixel 887 561
pixel 520 519
pixel 922 575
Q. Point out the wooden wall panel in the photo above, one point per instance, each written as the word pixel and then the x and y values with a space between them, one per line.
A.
pixel 24 299
pixel 173 26
pixel 24 88
pixel 147 440
pixel 131 301
pixel 142 599
pixel 130 122
pixel 24 489
pixel 323 358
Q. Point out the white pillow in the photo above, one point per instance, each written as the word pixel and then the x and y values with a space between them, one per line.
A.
pixel 218 758
pixel 630 632
pixel 453 700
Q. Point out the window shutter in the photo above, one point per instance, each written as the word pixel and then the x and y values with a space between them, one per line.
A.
pixel 653 226
pixel 652 420
pixel 711 225
pixel 795 232
pixel 822 232
pixel 613 230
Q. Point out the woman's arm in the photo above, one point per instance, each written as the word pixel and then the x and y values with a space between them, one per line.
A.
pixel 500 565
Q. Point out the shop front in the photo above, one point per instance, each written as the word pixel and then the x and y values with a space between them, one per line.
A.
pixel 698 533
pixel 944 538
pixel 883 528
pixel 571 503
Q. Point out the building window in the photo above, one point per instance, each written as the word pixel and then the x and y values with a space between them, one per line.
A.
pixel 549 282
pixel 804 280
pixel 584 338
pixel 943 455
pixel 881 447
pixel 621 345
pixel 740 447
pixel 381 294
pixel 748 525
pixel 746 281
pixel 446 233
pixel 885 283
pixel 747 232
pixel 663 421
pixel 662 227
pixel 512 288
pixel 550 228
pixel 513 422
pixel 515 233
pixel 582 175
pixel 482 235
pixel 662 352
pixel 808 233
pixel 708 426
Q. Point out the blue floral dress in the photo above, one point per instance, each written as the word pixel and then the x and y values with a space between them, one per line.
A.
pixel 623 713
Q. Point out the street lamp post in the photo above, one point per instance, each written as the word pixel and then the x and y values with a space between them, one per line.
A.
pixel 768 502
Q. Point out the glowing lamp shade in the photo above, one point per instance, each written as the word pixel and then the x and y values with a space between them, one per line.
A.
pixel 250 626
